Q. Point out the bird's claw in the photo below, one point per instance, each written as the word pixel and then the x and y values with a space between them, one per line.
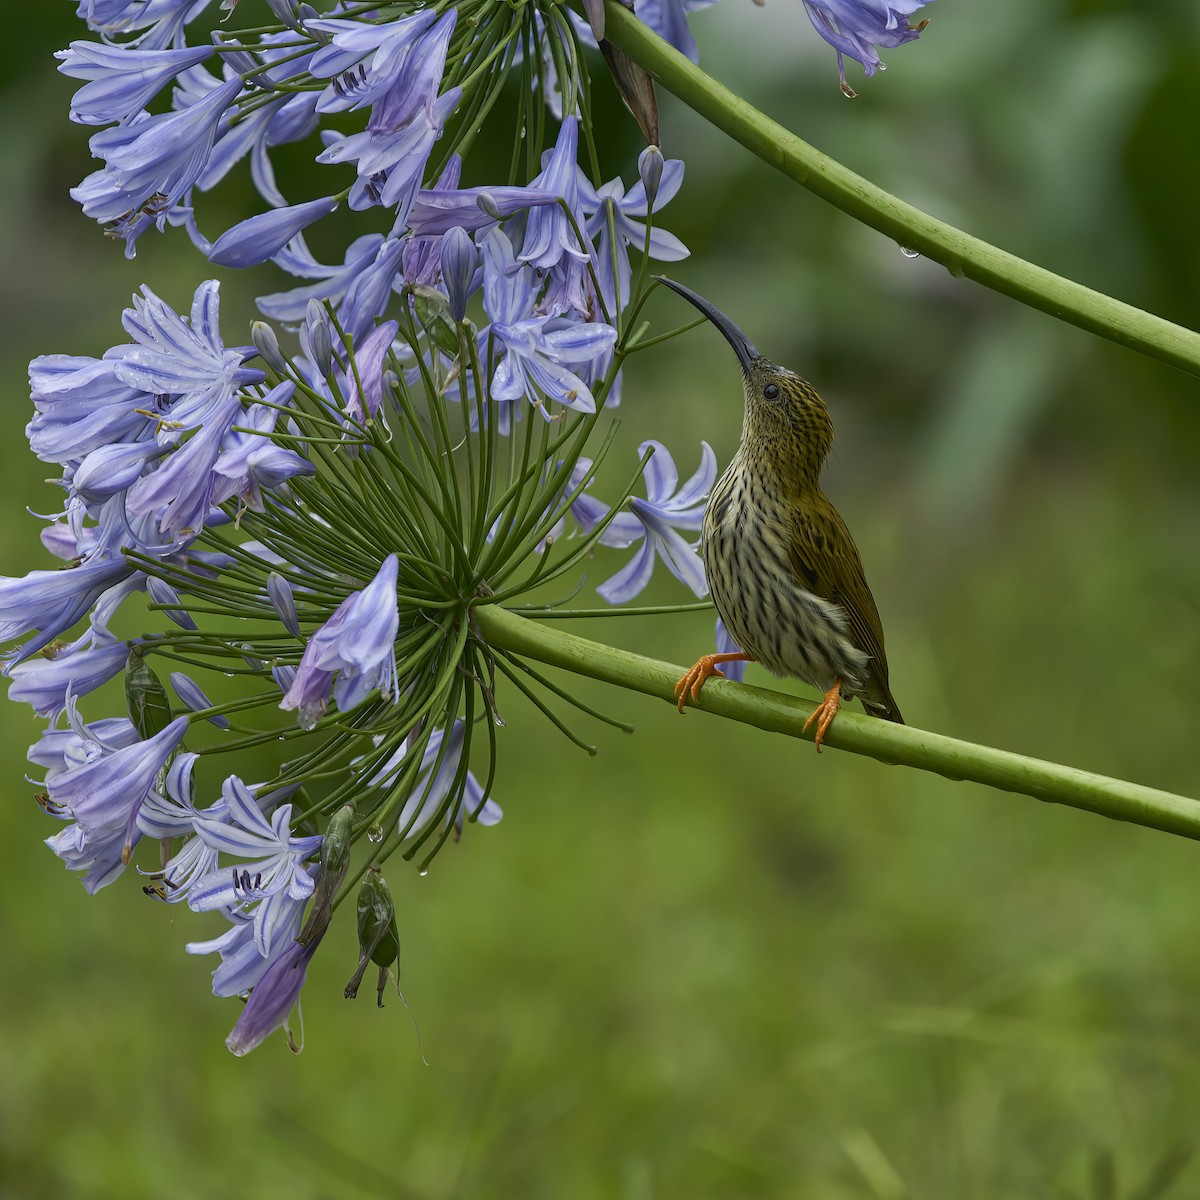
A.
pixel 694 679
pixel 824 713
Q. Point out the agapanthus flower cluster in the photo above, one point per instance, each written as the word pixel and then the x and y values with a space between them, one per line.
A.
pixel 288 547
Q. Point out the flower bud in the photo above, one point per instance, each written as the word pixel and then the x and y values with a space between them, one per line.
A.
pixel 284 603
pixel 162 593
pixel 320 344
pixel 193 697
pixel 650 168
pixel 458 269
pixel 267 345
pixel 378 938
pixel 145 696
pixel 487 203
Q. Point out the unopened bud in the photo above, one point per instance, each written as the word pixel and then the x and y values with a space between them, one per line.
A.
pixel 459 257
pixel 164 595
pixel 650 168
pixel 284 603
pixel 594 11
pixel 267 345
pixel 320 343
pixel 192 696
pixel 487 203
pixel 283 9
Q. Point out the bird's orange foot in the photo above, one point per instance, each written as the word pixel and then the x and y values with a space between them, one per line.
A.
pixel 693 681
pixel 705 666
pixel 824 713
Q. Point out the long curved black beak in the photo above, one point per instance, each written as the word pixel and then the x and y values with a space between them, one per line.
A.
pixel 743 347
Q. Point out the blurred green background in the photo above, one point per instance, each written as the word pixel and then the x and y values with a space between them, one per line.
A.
pixel 707 963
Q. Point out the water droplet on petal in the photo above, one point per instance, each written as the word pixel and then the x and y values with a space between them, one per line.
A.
pixel 423 872
pixel 910 253
pixel 375 833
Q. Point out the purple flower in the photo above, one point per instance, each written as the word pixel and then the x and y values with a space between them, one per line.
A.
pixel 50 602
pixel 332 281
pixel 663 513
pixel 242 965
pixel 273 998
pixel 150 163
pixel 122 79
pixel 172 814
pixel 82 405
pixel 440 209
pixel 406 119
pixel 536 347
pixel 369 356
pixel 668 18
pixel 250 461
pixel 161 21
pixel 856 27
pixel 357 644
pixel 111 469
pixel 256 239
pixel 103 796
pixel 370 292
pixel 183 484
pixel 549 236
pixel 271 872
pixel 430 790
pixel 46 681
pixel 612 222
pixel 364 59
pixel 185 360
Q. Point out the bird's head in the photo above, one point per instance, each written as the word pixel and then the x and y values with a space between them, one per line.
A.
pixel 785 417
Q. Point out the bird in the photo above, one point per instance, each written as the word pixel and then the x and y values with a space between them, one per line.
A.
pixel 783 570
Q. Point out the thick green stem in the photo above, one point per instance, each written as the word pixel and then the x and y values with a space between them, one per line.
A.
pixel 900 744
pixel 958 252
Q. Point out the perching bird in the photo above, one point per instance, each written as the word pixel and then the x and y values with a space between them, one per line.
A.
pixel 783 570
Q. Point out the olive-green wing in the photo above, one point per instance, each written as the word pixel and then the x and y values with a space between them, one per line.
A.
pixel 826 562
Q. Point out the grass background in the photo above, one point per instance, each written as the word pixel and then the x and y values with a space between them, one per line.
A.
pixel 706 962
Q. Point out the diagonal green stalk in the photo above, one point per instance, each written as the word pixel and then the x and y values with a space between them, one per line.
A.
pixel 899 744
pixel 958 252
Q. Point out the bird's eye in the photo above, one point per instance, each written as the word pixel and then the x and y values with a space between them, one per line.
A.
pixel 771 391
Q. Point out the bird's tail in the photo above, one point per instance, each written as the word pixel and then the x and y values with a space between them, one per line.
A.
pixel 889 711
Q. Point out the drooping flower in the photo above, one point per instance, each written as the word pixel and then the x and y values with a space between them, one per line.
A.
pixel 122 80
pixel 150 163
pixel 668 18
pixel 356 645
pixel 857 27
pixel 102 796
pixel 274 996
pixel 406 119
